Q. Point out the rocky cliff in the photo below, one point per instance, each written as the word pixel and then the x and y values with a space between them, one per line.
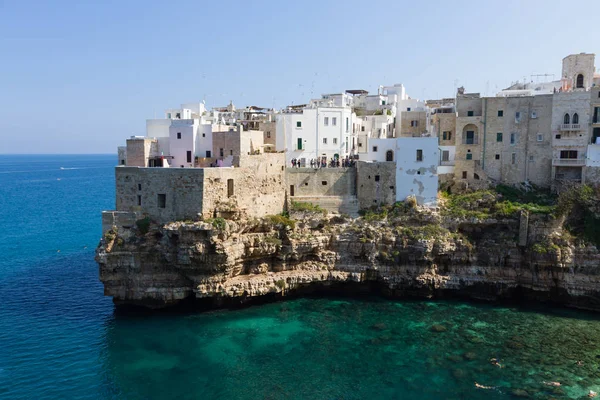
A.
pixel 410 252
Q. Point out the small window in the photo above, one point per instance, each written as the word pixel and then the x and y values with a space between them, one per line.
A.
pixel 139 186
pixel 347 124
pixel 139 200
pixel 374 149
pixel 517 116
pixel 407 108
pixel 414 123
pixel 469 156
pixel 229 187
pixel 445 155
pixel 533 114
pixel 567 119
pixel 540 137
pixel 362 128
pixel 389 155
pixel 359 144
pixel 513 138
pixel 208 155
pixel 530 158
pixel 162 200
pixel 499 137
pixel 326 121
pixel 221 153
pixel 178 135
pixel 470 113
pixel 189 156
pixel 419 155
pixel 513 158
pixel 324 140
pixel 497 156
pixel 298 124
pixel 169 115
pixel 333 121
pixel 575 118
pixel 445 136
pixel 376 178
pixel 230 152
pixel 324 183
pixel 122 162
pixel 334 140
pixel 268 134
pixel 557 136
pixel 501 113
pixel 464 174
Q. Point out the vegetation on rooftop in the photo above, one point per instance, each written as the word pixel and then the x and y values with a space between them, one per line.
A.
pixel 308 207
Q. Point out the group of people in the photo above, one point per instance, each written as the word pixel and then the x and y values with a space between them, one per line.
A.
pixel 324 163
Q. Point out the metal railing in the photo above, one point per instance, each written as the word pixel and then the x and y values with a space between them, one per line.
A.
pixel 570 162
pixel 569 127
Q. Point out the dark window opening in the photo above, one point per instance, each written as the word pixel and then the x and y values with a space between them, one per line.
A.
pixel 470 113
pixel 268 134
pixel 497 156
pixel 567 119
pixel 230 152
pixel 162 200
pixel 189 156
pixel 178 135
pixel 501 113
pixel 376 178
pixel 122 162
pixel 469 156
pixel 324 183
pixel 499 137
pixel 208 153
pixel 229 187
pixel 139 186
pixel 580 81
pixel 389 155
pixel 570 154
pixel 204 135
pixel 464 175
pixel 221 152
pixel 476 176
pixel 291 190
pixel 575 118
pixel 419 155
pixel 139 200
pixel 178 115
pixel 470 138
pixel 298 124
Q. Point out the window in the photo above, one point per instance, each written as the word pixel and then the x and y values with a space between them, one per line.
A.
pixel 326 121
pixel 178 135
pixel 298 124
pixel 470 138
pixel 139 198
pixel 513 158
pixel 299 144
pixel 501 113
pixel 518 116
pixel 162 200
pixel 558 136
pixel 230 152
pixel 575 118
pixel 383 102
pixel 579 81
pixel 567 119
pixel 178 115
pixel 447 135
pixel 362 128
pixel 445 155
pixel 377 178
pixel 533 114
pixel 568 154
pixel 229 187
pixel 513 138
pixel 497 156
pixel 407 108
pixel 324 183
pixel 204 135
pixel 414 123
pixel 530 158
pixel 347 124
pixel 334 140
pixel 208 154
pixel 419 155
pixel 540 137
pixel 375 149
pixel 221 152
pixel 470 113
pixel 469 156
pixel 139 186
pixel 122 162
pixel 268 134
pixel 464 175
pixel 169 115
pixel 324 140
pixel 333 121
pixel 189 156
pixel 499 137
pixel 359 144
pixel 389 155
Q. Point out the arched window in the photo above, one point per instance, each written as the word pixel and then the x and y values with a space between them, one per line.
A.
pixel 389 155
pixel 567 119
pixel 579 81
pixel 575 118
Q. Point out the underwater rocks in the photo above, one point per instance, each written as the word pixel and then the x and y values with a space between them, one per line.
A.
pixel 239 261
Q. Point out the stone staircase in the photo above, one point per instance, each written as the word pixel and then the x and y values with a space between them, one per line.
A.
pixel 334 204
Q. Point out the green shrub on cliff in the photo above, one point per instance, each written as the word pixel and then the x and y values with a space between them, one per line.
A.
pixel 218 223
pixel 143 225
pixel 308 207
pixel 282 220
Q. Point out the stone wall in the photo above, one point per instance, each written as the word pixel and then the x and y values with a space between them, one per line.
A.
pixel 445 122
pixel 376 183
pixel 321 181
pixel 139 149
pixel 406 130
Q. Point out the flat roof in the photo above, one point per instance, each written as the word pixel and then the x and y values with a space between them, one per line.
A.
pixel 357 91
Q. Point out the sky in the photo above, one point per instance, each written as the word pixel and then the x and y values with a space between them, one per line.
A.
pixel 81 77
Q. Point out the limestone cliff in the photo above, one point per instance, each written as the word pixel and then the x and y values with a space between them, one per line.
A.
pixel 411 253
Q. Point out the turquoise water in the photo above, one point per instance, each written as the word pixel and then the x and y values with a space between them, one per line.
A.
pixel 60 338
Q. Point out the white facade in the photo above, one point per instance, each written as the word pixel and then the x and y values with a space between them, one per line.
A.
pixel 447 154
pixel 317 132
pixel 416 169
pixel 380 150
pixel 182 142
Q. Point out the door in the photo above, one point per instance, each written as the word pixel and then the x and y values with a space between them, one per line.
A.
pixel 299 143
pixel 291 190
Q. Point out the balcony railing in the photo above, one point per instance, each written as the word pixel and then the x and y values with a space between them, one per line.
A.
pixel 474 140
pixel 569 162
pixel 569 127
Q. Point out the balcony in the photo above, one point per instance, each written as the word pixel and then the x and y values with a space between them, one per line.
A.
pixel 447 163
pixel 569 162
pixel 569 127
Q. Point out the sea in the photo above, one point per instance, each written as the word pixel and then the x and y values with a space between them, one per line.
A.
pixel 60 338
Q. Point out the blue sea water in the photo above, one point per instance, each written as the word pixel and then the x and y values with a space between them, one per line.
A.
pixel 61 339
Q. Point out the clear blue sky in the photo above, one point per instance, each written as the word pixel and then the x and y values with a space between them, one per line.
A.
pixel 80 77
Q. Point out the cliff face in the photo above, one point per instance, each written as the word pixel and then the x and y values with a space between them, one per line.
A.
pixel 416 254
